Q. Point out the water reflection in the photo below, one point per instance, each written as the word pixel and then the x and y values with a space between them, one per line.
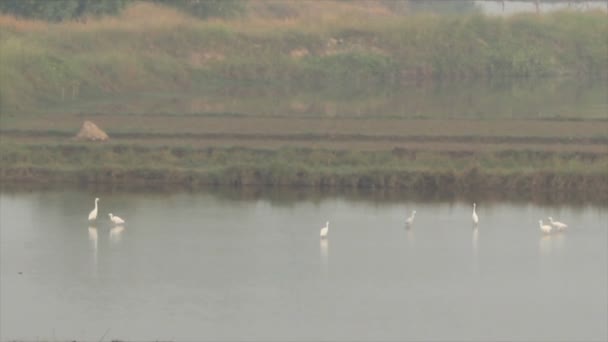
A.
pixel 93 239
pixel 435 266
pixel 544 245
pixel 324 249
pixel 550 243
pixel 116 234
pixel 409 233
pixel 475 241
pixel 558 240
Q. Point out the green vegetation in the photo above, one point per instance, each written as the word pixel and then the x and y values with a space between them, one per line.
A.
pixel 59 10
pixel 44 64
pixel 208 8
pixel 55 75
pixel 525 172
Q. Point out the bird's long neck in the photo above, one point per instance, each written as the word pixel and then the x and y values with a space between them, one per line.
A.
pixel 95 204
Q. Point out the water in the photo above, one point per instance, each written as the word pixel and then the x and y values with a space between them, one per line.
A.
pixel 499 7
pixel 206 266
pixel 516 7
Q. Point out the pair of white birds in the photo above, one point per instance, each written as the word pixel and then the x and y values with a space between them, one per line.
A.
pixel 410 220
pixel 93 215
pixel 547 229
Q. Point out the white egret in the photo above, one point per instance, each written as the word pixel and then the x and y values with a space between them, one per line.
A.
pixel 324 230
pixel 557 224
pixel 410 219
pixel 93 213
pixel 116 219
pixel 545 228
pixel 475 217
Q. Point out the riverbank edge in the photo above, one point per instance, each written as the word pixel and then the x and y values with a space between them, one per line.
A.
pixel 556 185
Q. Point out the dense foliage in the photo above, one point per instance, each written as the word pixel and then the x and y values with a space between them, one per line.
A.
pixel 207 8
pixel 60 10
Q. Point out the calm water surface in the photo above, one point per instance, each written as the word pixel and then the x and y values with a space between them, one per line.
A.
pixel 198 266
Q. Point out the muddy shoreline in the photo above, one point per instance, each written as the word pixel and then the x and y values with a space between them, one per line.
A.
pixel 548 187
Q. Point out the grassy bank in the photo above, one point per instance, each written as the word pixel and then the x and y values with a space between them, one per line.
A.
pixel 417 142
pixel 521 172
pixel 43 63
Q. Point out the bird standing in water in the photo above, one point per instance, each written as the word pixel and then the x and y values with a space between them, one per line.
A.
pixel 474 216
pixel 116 219
pixel 545 228
pixel 324 230
pixel 410 220
pixel 93 213
pixel 556 224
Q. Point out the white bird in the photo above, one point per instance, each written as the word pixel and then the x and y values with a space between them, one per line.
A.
pixel 557 224
pixel 324 230
pixel 545 228
pixel 475 217
pixel 410 219
pixel 93 213
pixel 116 219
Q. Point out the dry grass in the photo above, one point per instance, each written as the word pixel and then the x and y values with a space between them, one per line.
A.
pixel 286 126
pixel 272 133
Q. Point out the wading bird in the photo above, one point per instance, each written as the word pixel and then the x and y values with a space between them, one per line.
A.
pixel 324 230
pixel 475 217
pixel 410 219
pixel 545 228
pixel 116 219
pixel 93 213
pixel 557 224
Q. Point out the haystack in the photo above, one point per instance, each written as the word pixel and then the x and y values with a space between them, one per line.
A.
pixel 91 132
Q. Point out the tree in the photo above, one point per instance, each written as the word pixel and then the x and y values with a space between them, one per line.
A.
pixel 442 6
pixel 98 8
pixel 208 8
pixel 59 10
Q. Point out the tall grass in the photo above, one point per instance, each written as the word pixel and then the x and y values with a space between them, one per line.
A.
pixel 150 47
pixel 508 172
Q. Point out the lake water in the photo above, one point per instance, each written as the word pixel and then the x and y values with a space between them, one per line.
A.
pixel 206 266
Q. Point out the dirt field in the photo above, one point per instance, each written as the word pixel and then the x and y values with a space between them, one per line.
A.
pixel 323 133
